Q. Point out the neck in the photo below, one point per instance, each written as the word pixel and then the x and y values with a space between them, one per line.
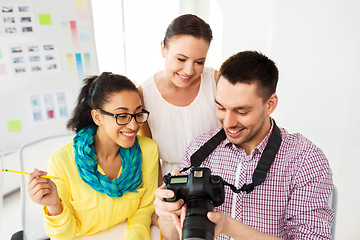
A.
pixel 106 151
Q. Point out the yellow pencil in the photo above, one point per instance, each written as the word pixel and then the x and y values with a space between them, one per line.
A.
pixel 26 173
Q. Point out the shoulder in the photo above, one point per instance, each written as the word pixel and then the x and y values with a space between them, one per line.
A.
pixel 147 144
pixel 299 148
pixel 62 158
pixel 296 141
pixel 64 151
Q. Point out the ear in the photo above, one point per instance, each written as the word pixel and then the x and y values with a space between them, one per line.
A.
pixel 271 104
pixel 163 49
pixel 96 117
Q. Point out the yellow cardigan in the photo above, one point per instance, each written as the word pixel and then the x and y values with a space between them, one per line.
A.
pixel 87 211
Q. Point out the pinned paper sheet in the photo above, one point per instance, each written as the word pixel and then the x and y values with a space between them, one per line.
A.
pixel 71 65
pixel 83 15
pixel 80 3
pixel 2 69
pixel 14 126
pixel 79 66
pixel 74 34
pixel 87 63
pixel 85 36
pixel 45 19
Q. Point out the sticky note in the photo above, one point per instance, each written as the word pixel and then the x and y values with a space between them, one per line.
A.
pixel 14 126
pixel 44 19
pixel 87 63
pixel 85 36
pixel 2 69
pixel 80 3
pixel 83 14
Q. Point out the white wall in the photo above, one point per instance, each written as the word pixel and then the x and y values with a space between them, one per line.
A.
pixel 316 45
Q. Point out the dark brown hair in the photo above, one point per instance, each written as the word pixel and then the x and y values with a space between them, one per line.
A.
pixel 251 66
pixel 94 93
pixel 188 24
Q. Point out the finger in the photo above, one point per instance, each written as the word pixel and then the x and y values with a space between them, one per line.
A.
pixel 182 215
pixel 39 187
pixel 175 172
pixel 214 217
pixel 177 223
pixel 35 182
pixel 35 174
pixel 162 193
pixel 167 209
pixel 39 195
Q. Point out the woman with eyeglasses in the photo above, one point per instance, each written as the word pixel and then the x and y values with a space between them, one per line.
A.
pixel 108 174
pixel 181 96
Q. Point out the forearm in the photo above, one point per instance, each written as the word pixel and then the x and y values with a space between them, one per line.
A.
pixel 168 229
pixel 238 230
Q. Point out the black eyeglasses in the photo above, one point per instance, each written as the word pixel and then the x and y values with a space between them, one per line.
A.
pixel 125 118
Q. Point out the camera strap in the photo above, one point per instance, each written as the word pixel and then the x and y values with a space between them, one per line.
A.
pixel 261 169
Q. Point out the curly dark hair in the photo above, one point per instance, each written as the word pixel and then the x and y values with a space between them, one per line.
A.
pixel 188 24
pixel 94 93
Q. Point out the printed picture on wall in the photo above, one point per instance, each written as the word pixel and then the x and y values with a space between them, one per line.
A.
pixel 16 19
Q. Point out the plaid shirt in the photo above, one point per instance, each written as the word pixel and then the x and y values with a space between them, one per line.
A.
pixel 292 202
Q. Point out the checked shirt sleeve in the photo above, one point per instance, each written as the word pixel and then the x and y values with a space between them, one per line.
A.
pixel 308 214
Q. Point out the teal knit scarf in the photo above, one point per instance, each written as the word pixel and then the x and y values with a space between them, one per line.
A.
pixel 85 158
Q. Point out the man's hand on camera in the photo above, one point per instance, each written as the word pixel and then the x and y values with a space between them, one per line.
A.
pixel 164 209
pixel 167 210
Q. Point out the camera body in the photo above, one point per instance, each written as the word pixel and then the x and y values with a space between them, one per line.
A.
pixel 201 192
pixel 198 184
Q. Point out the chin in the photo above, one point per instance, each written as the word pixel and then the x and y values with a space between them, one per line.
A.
pixel 127 144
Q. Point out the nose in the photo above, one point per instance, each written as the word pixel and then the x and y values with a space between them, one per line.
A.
pixel 189 68
pixel 132 124
pixel 229 120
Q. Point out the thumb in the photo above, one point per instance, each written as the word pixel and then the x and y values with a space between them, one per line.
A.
pixel 214 217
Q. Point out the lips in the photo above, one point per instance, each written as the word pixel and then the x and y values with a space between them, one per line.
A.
pixel 234 132
pixel 128 134
pixel 183 77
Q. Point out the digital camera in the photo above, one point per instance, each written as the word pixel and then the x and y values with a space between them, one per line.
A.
pixel 201 192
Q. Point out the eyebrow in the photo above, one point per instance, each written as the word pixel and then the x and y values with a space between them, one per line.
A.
pixel 127 109
pixel 237 108
pixel 188 57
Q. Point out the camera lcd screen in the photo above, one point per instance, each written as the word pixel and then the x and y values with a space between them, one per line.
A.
pixel 178 180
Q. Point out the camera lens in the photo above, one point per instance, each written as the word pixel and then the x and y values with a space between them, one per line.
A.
pixel 196 224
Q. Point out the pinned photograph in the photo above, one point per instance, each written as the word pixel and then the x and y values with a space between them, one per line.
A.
pixel 20 70
pixel 33 48
pixel 16 49
pixel 9 19
pixel 24 9
pixel 7 9
pixel 18 60
pixel 27 29
pixel 10 30
pixel 52 66
pixel 34 58
pixel 35 68
pixel 48 47
pixel 25 19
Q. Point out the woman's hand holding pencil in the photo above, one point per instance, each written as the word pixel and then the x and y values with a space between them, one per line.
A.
pixel 43 191
pixel 26 173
